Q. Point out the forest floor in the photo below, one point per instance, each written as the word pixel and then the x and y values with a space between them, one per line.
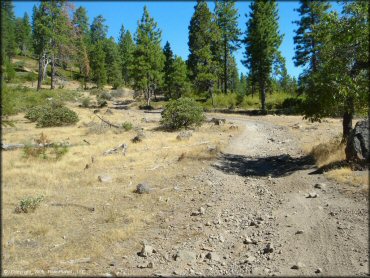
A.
pixel 258 207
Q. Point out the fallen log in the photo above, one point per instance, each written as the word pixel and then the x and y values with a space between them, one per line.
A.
pixel 116 149
pixel 9 147
pixel 107 122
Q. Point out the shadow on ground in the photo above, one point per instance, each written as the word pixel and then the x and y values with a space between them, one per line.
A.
pixel 274 166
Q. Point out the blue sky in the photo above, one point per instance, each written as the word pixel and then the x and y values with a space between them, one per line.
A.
pixel 173 19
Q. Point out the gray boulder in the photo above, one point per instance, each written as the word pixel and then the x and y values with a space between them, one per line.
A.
pixel 357 149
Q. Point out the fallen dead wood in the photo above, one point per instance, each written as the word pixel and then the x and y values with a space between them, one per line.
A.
pixel 107 122
pixel 116 149
pixel 9 147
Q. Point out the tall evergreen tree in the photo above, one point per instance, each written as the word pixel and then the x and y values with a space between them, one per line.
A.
pixel 126 47
pixel 24 34
pixel 98 29
pixel 81 26
pixel 8 40
pixel 311 14
pixel 98 36
pixel 178 82
pixel 262 41
pixel 202 60
pixel 227 21
pixel 52 33
pixel 113 63
pixel 98 64
pixel 168 69
pixel 147 68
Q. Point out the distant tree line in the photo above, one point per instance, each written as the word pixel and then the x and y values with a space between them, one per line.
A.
pixel 332 48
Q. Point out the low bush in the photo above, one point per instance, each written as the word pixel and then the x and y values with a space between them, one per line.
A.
pixel 28 204
pixel 85 102
pixel 127 126
pixel 182 113
pixel 61 116
pixel 45 149
pixel 51 115
pixel 104 95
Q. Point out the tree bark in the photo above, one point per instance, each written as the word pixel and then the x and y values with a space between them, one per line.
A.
pixel 40 74
pixel 52 84
pixel 347 119
pixel 225 67
pixel 263 98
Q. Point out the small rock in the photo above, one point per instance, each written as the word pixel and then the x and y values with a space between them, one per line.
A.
pixel 105 178
pixel 185 256
pixel 149 265
pixel 299 232
pixel 319 270
pixel 269 248
pixel 298 266
pixel 320 185
pixel 142 188
pixel 146 251
pixel 213 256
pixel 312 195
pixel 201 211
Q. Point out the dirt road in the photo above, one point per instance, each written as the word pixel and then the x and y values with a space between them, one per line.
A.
pixel 250 213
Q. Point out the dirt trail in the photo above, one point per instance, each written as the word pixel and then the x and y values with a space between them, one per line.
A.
pixel 257 218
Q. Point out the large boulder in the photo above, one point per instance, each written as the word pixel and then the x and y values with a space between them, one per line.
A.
pixel 357 149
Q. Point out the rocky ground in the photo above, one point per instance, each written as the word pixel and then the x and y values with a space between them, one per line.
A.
pixel 260 209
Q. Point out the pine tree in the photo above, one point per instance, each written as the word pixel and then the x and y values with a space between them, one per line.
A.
pixel 202 60
pixel 81 26
pixel 24 35
pixel 227 21
pixel 98 64
pixel 52 33
pixel 262 41
pixel 113 63
pixel 98 35
pixel 147 68
pixel 8 39
pixel 126 47
pixel 168 69
pixel 98 29
pixel 306 50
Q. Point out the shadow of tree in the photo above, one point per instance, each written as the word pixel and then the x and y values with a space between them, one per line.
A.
pixel 274 166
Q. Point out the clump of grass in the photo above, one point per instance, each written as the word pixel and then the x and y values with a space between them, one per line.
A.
pixel 127 126
pixel 28 204
pixel 326 153
pixel 86 102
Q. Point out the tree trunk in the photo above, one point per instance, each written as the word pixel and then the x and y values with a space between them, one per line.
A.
pixel 347 119
pixel 225 68
pixel 52 83
pixel 263 98
pixel 40 73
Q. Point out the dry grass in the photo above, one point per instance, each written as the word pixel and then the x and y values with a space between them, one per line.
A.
pixel 61 228
pixel 326 153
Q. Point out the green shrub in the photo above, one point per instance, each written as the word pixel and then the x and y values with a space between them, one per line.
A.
pixel 35 113
pixel 105 95
pixel 102 102
pixel 61 116
pixel 86 102
pixel 127 126
pixel 28 204
pixel 9 71
pixel 183 112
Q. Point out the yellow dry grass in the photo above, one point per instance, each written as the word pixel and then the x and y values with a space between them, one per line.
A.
pixel 62 228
